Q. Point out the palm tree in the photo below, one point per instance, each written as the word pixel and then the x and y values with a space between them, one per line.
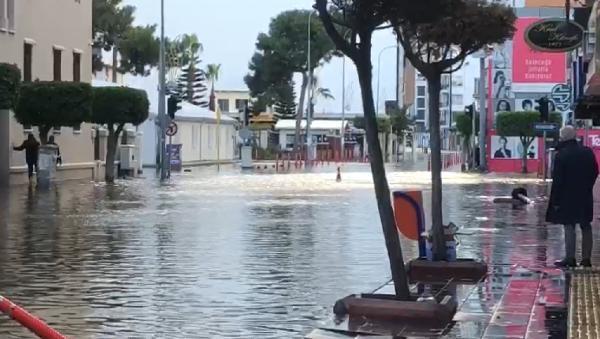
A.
pixel 190 47
pixel 191 82
pixel 213 71
pixel 324 93
pixel 320 93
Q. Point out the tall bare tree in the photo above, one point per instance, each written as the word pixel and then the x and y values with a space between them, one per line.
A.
pixel 440 45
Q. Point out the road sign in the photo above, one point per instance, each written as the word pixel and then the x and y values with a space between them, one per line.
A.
pixel 245 133
pixel 172 129
pixel 545 127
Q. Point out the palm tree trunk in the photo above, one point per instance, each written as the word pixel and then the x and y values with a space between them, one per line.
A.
pixel 525 144
pixel 300 112
pixel 114 63
pixel 382 190
pixel 439 243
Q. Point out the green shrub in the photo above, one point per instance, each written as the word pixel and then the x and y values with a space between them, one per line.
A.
pixel 10 82
pixel 119 105
pixel 48 104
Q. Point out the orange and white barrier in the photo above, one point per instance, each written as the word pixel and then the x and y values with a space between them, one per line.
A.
pixel 29 321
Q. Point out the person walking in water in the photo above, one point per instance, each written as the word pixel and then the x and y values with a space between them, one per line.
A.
pixel 32 148
pixel 572 199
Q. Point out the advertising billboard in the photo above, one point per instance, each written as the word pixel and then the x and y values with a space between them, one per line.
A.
pixel 530 66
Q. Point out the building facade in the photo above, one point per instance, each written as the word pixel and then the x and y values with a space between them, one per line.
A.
pixel 452 101
pixel 57 47
pixel 201 138
pixel 233 102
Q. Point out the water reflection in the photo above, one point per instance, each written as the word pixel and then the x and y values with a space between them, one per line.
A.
pixel 228 255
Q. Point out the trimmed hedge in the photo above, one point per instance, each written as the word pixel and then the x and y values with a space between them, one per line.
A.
pixel 520 124
pixel 119 105
pixel 10 83
pixel 44 103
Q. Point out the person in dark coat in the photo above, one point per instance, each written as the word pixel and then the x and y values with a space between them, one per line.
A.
pixel 32 149
pixel 572 199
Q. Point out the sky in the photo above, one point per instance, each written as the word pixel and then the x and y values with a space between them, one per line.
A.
pixel 228 31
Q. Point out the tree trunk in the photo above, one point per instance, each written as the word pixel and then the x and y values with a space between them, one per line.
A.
pixel 382 191
pixel 300 113
pixel 114 63
pixel 111 150
pixel 467 153
pixel 437 226
pixel 44 131
pixel 525 143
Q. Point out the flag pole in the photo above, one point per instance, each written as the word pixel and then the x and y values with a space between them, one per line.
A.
pixel 218 139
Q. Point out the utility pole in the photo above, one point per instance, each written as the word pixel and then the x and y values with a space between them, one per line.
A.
pixel 309 141
pixel 162 116
pixel 482 115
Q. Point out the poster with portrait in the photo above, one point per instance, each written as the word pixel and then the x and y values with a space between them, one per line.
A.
pixel 501 84
pixel 532 105
pixel 511 148
pixel 502 105
pixel 502 56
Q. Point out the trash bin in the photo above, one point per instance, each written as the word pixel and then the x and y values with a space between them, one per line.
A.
pixel 47 164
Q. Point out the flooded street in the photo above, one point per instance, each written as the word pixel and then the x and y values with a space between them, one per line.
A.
pixel 230 255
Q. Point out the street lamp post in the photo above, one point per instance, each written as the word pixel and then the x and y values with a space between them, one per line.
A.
pixel 309 153
pixel 379 73
pixel 343 130
pixel 162 116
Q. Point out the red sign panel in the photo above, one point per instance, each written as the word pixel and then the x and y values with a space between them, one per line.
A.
pixel 530 66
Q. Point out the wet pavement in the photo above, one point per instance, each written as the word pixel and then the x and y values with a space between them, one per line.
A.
pixel 250 256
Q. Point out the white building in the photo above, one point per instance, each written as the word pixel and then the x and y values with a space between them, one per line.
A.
pixel 199 135
pixel 454 96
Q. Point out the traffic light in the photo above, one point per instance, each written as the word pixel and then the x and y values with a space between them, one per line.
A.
pixel 544 108
pixel 246 116
pixel 173 105
pixel 469 110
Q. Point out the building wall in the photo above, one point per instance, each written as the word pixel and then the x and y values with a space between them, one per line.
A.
pixel 231 97
pixel 48 25
pixel 198 140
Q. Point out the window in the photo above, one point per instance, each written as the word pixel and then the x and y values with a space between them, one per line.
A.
pixel 10 14
pixel 457 99
pixel 224 105
pixel 57 64
pixel 3 20
pixel 444 99
pixel 289 141
pixel 457 80
pixel 421 114
pixel 240 104
pixel 421 91
pixel 420 102
pixel 76 67
pixel 27 61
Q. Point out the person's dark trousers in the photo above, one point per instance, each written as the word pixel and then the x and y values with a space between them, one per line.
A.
pixel 587 241
pixel 30 168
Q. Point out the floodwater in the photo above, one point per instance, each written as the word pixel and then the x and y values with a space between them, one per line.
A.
pixel 227 255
